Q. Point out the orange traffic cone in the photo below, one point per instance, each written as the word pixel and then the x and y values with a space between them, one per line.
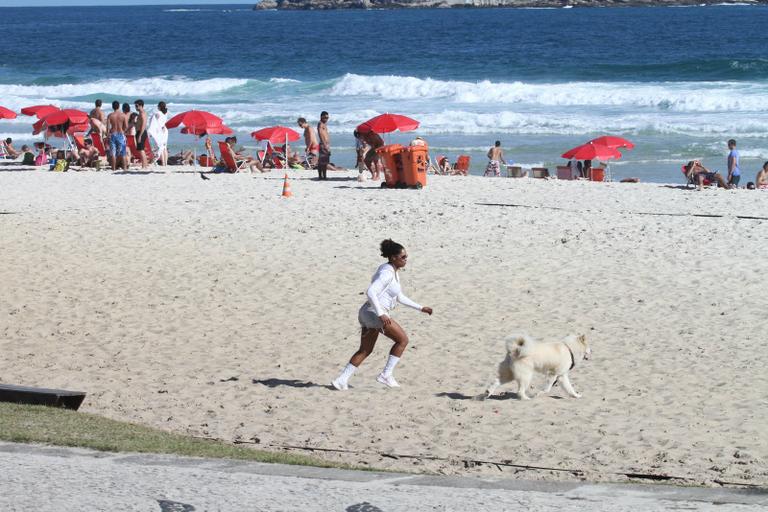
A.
pixel 287 187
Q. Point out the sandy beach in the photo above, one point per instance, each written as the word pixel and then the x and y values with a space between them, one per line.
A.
pixel 219 309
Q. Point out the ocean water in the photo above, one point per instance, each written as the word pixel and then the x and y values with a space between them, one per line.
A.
pixel 679 82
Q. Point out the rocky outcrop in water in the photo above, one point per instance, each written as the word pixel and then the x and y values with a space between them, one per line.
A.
pixel 400 4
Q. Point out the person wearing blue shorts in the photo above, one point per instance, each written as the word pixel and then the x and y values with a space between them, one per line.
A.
pixel 117 124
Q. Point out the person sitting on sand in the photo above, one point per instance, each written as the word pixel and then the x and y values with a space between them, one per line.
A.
pixel 761 180
pixel 697 173
pixel 88 156
pixel 28 157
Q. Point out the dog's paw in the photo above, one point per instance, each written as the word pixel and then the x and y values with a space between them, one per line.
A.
pixel 576 395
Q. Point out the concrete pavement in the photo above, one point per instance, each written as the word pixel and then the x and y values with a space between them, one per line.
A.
pixel 56 479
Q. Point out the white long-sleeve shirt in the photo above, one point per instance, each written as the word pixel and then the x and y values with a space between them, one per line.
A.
pixel 384 292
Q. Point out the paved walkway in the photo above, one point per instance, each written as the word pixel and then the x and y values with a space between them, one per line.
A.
pixel 63 479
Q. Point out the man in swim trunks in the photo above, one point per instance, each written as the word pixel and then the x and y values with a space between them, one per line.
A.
pixel 312 148
pixel 141 131
pixel 495 159
pixel 117 123
pixel 324 157
pixel 374 142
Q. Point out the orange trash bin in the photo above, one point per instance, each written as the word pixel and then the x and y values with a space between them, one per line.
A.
pixel 393 164
pixel 415 164
pixel 597 174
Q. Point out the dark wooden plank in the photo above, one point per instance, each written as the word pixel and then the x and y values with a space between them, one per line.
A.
pixel 41 396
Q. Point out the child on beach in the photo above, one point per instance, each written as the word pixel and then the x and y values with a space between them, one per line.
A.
pixel 383 295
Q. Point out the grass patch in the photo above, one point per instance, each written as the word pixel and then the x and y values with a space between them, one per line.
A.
pixel 62 427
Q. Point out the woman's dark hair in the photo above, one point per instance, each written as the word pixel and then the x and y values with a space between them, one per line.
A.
pixel 390 248
pixel 766 163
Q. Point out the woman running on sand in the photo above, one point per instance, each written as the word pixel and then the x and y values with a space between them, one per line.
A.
pixel 383 295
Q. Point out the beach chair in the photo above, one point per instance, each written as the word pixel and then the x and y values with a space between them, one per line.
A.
pixel 131 142
pixel 98 143
pixel 690 180
pixel 462 164
pixel 540 172
pixel 79 141
pixel 564 172
pixel 228 157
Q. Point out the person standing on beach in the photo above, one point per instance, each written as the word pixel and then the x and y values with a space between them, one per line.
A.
pixel 312 148
pixel 141 131
pixel 734 171
pixel 159 132
pixel 495 159
pixel 117 123
pixel 372 160
pixel 324 157
pixel 98 120
pixel 383 295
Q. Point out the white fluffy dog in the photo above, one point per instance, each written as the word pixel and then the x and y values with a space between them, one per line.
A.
pixel 554 359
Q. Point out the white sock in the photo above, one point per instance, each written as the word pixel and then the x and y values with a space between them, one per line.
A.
pixel 390 366
pixel 347 372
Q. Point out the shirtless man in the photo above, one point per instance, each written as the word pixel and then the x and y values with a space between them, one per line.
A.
pixel 141 131
pixel 89 155
pixel 495 159
pixel 98 120
pixel 374 142
pixel 324 157
pixel 117 123
pixel 310 139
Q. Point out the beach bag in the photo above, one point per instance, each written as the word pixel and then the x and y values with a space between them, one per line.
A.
pixel 29 159
pixel 61 165
pixel 41 159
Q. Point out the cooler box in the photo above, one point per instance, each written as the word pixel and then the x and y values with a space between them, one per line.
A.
pixel 393 164
pixel 415 164
pixel 597 174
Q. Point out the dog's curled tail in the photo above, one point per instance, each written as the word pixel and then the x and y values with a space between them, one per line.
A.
pixel 519 345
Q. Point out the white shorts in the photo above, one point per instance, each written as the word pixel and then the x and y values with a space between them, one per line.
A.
pixel 368 318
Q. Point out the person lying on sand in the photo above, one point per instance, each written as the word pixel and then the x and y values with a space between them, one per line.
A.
pixel 697 173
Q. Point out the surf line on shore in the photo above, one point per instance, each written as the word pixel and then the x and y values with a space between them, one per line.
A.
pixel 657 214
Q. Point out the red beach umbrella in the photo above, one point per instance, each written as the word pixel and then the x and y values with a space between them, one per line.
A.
pixel 197 119
pixel 39 110
pixel 213 130
pixel 6 113
pixel 591 151
pixel 68 115
pixel 74 119
pixel 386 123
pixel 276 134
pixel 613 141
